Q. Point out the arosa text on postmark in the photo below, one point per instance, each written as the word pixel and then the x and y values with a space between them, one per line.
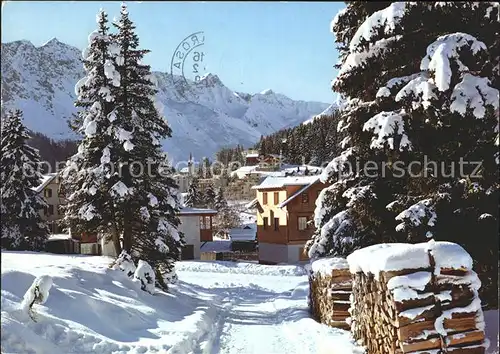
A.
pixel 188 61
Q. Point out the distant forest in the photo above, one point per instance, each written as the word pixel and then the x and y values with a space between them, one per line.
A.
pixel 52 151
pixel 315 143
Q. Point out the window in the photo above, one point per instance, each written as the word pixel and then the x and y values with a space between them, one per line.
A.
pixel 205 223
pixel 305 198
pixel 271 216
pixel 276 224
pixel 264 201
pixel 47 192
pixel 276 197
pixel 302 220
pixel 50 210
pixel 265 222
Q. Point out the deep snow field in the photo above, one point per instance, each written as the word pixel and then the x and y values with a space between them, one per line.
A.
pixel 216 307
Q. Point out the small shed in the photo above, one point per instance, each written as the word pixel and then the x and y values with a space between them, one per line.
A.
pixel 62 244
pixel 243 239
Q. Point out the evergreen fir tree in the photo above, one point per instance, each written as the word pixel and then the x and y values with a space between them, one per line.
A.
pixel 151 200
pixel 90 177
pixel 209 196
pixel 193 197
pixel 22 226
pixel 220 199
pixel 415 88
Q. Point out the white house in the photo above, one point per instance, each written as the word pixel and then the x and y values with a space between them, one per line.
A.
pixel 196 224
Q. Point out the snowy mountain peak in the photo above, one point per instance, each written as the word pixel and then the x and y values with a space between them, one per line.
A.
pixel 52 42
pixel 211 80
pixel 267 92
pixel 205 117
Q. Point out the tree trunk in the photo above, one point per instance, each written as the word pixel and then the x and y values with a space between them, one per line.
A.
pixel 116 239
pixel 127 234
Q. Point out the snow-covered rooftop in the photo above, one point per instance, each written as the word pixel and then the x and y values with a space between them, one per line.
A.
pixel 280 182
pixel 57 237
pixel 216 246
pixel 253 154
pixel 251 204
pixel 243 234
pixel 46 179
pixel 299 192
pixel 196 211
pixel 285 168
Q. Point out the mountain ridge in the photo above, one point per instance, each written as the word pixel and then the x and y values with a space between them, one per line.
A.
pixel 204 116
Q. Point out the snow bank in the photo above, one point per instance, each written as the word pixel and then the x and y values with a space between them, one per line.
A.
pixel 396 256
pixel 325 266
pixel 95 309
pixel 240 268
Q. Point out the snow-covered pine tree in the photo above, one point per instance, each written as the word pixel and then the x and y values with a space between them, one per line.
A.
pixel 417 88
pixel 194 198
pixel 209 196
pixel 90 178
pixel 150 218
pixel 22 225
pixel 220 200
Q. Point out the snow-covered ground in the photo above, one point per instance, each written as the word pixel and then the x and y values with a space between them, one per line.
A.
pixel 216 307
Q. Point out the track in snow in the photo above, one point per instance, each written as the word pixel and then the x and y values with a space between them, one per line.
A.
pixel 264 318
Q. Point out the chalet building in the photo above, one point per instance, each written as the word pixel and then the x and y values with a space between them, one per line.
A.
pixel 285 207
pixel 53 193
pixel 269 162
pixel 251 158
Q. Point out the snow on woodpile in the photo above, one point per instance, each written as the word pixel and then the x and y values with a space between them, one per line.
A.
pixel 416 298
pixel 330 288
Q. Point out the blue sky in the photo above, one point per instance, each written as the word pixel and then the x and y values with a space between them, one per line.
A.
pixel 251 46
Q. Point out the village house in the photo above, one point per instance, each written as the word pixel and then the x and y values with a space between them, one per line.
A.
pixel 269 162
pixel 285 207
pixel 251 157
pixel 53 193
pixel 196 224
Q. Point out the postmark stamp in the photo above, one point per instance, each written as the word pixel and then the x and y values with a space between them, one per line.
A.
pixel 187 65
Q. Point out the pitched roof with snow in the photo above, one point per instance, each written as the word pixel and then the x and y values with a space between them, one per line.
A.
pixel 296 194
pixel 280 182
pixel 46 179
pixel 197 211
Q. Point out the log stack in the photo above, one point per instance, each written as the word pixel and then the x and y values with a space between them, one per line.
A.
pixel 419 298
pixel 330 287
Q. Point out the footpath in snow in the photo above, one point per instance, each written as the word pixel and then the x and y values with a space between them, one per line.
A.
pixel 216 307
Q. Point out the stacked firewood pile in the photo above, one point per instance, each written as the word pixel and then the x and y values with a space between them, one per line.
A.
pixel 416 298
pixel 330 287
